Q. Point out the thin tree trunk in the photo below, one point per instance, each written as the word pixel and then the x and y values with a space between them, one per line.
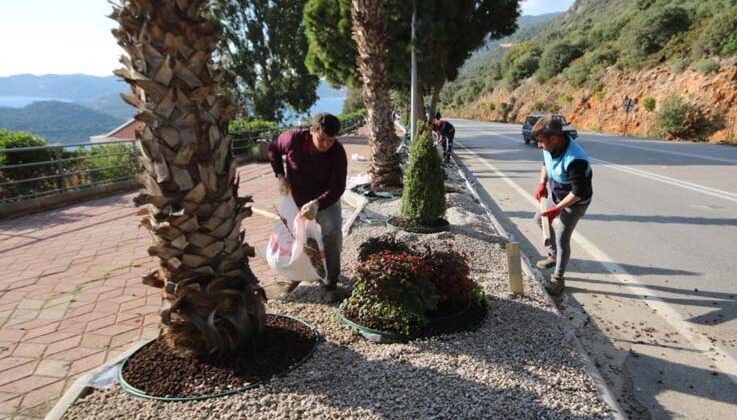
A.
pixel 212 300
pixel 435 98
pixel 368 32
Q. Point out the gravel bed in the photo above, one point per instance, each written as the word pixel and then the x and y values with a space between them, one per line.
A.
pixel 518 364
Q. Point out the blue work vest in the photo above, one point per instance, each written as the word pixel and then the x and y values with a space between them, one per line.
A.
pixel 557 169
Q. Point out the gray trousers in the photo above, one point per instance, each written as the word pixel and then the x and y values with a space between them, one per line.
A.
pixel 331 223
pixel 560 242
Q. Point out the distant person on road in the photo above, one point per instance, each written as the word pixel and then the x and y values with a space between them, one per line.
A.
pixel 447 132
pixel 316 175
pixel 567 171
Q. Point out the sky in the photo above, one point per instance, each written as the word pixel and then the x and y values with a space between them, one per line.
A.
pixel 73 36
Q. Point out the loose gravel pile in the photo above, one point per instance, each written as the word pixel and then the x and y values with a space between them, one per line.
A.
pixel 518 364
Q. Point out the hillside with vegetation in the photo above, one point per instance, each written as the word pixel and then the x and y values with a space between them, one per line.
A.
pixel 674 58
pixel 58 122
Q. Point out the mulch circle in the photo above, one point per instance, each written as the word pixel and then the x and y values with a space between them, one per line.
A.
pixel 365 190
pixel 397 223
pixel 467 319
pixel 155 372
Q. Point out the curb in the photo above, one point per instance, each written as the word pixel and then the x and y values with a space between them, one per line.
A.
pixel 602 388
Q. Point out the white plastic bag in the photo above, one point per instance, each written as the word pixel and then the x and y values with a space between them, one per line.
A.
pixel 285 253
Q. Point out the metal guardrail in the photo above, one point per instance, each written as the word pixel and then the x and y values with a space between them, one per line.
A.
pixel 32 172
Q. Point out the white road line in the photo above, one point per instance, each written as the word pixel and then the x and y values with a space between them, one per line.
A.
pixel 726 363
pixel 671 181
pixel 714 192
pixel 617 143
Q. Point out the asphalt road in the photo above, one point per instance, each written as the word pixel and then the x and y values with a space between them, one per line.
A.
pixel 652 284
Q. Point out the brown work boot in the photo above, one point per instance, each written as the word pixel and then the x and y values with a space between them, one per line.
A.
pixel 556 286
pixel 546 263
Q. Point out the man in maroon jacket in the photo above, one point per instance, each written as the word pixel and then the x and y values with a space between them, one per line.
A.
pixel 316 175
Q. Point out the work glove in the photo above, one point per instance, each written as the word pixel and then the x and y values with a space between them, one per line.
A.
pixel 283 185
pixel 541 191
pixel 309 210
pixel 551 213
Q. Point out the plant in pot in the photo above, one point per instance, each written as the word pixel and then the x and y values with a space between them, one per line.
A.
pixel 423 197
pixel 400 293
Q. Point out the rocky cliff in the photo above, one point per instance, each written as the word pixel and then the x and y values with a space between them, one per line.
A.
pixel 598 106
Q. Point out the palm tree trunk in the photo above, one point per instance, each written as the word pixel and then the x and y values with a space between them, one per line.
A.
pixel 212 302
pixel 368 32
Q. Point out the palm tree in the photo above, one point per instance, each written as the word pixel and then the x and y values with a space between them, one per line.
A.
pixel 212 302
pixel 368 32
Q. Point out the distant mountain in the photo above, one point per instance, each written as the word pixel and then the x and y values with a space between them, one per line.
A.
pixel 111 105
pixel 58 122
pixel 71 87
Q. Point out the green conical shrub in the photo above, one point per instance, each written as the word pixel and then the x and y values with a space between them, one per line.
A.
pixel 423 197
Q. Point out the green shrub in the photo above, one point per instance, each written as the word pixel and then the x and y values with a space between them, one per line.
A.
pixel 520 62
pixel 243 125
pixel 394 287
pixel 492 107
pixel 650 31
pixel 648 103
pixel 680 65
pixel 539 106
pixel 19 139
pixel 555 58
pixel 566 98
pixel 451 278
pixel 677 119
pixel 719 37
pixel 423 196
pixel 705 66
pixel 110 162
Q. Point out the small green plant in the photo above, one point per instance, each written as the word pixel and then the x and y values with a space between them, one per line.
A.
pixel 538 106
pixel 423 195
pixel 492 107
pixel 677 119
pixel 648 103
pixel 680 65
pixel 705 66
pixel 566 98
pixel 242 125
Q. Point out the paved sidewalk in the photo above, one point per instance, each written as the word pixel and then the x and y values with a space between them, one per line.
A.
pixel 71 296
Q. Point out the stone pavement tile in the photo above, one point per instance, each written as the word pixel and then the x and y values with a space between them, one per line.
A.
pixel 87 363
pixel 29 350
pixel 62 345
pixel 40 401
pixel 49 338
pixel 7 363
pixel 10 406
pixel 26 384
pixel 74 353
pixel 34 334
pixel 53 368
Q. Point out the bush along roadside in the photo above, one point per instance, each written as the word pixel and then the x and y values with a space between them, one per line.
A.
pixel 423 196
pixel 408 292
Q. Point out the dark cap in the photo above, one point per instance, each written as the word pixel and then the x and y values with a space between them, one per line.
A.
pixel 547 126
pixel 327 123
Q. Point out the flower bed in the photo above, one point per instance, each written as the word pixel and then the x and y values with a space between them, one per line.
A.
pixel 518 364
pixel 412 292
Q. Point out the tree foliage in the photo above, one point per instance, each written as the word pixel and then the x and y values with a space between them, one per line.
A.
pixel 447 33
pixel 263 56
pixel 520 62
pixel 423 198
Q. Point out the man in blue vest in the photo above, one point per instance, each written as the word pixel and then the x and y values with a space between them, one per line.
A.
pixel 567 172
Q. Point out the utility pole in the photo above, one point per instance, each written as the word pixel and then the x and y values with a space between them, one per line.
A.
pixel 413 82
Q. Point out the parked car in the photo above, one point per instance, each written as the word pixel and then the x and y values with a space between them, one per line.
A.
pixel 532 119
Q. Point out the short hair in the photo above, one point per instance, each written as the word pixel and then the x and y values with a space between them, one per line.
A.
pixel 437 115
pixel 547 126
pixel 327 123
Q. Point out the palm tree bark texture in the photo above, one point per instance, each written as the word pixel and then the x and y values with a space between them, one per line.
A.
pixel 212 302
pixel 370 37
